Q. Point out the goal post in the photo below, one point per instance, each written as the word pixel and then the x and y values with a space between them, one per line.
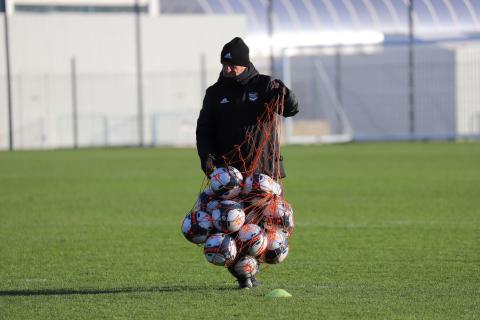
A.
pixel 322 118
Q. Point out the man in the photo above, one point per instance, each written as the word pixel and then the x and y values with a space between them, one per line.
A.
pixel 235 128
pixel 231 111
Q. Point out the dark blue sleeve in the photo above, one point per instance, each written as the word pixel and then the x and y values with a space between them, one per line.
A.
pixel 205 133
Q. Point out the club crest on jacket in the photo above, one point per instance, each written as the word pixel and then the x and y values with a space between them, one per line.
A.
pixel 252 96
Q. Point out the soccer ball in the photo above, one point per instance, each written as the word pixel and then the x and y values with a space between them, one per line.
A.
pixel 212 205
pixel 197 226
pixel 203 199
pixel 246 267
pixel 278 214
pixel 251 240
pixel 277 247
pixel 226 182
pixel 228 217
pixel 260 185
pixel 220 249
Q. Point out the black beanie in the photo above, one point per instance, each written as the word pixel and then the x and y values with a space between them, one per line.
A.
pixel 236 53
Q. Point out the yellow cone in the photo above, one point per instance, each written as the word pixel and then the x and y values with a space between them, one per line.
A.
pixel 278 293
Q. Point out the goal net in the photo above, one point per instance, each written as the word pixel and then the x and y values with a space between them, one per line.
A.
pixel 315 82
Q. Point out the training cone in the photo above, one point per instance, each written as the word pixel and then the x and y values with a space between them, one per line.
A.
pixel 278 293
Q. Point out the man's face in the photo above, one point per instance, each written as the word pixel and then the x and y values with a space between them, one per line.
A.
pixel 230 71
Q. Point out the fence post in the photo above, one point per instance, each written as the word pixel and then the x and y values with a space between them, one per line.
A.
pixel 3 7
pixel 338 87
pixel 139 69
pixel 411 71
pixel 153 129
pixel 73 77
pixel 105 131
pixel 203 74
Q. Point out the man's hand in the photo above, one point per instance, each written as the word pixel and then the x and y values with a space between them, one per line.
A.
pixel 278 88
pixel 209 165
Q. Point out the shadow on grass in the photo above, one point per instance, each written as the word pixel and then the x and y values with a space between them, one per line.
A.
pixel 55 292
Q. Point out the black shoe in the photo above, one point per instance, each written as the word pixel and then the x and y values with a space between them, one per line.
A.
pixel 255 282
pixel 245 283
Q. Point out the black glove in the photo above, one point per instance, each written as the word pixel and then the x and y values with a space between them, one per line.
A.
pixel 209 165
pixel 278 88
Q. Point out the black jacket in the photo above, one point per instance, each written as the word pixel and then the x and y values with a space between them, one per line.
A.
pixel 230 114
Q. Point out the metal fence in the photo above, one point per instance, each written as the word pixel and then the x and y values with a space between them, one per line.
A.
pixel 363 94
pixel 106 110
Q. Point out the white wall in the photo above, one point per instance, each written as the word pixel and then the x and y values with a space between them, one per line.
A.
pixel 103 46
pixel 468 89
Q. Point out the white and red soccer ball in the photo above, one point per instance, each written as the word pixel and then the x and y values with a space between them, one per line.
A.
pixel 228 216
pixel 220 249
pixel 277 247
pixel 203 199
pixel 212 205
pixel 197 226
pixel 251 240
pixel 246 267
pixel 226 182
pixel 278 214
pixel 260 185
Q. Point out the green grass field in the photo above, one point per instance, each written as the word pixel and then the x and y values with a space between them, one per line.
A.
pixel 383 231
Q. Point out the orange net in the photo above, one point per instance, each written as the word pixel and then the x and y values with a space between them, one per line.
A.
pixel 248 156
pixel 252 209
